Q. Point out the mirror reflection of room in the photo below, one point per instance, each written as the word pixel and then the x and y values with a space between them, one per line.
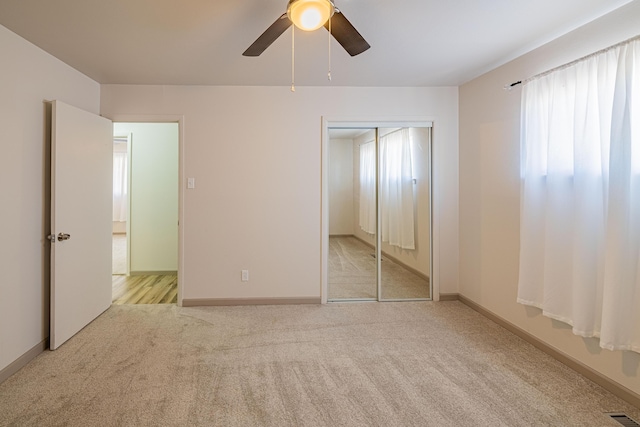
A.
pixel 390 183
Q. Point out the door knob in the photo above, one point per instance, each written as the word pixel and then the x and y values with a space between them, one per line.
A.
pixel 63 236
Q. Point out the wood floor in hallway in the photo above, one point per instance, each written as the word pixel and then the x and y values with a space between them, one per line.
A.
pixel 144 289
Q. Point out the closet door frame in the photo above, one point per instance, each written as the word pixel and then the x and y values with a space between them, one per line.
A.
pixel 373 123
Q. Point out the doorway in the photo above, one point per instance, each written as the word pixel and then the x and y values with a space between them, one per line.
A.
pixel 120 214
pixel 377 212
pixel 145 213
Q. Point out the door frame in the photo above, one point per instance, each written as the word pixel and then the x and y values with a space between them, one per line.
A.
pixel 168 118
pixel 369 123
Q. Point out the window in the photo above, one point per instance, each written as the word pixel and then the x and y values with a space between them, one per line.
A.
pixel 580 217
pixel 120 185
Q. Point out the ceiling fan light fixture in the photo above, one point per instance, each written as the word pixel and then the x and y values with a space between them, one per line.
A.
pixel 325 14
pixel 309 15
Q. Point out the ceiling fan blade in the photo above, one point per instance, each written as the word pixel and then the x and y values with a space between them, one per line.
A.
pixel 346 34
pixel 269 36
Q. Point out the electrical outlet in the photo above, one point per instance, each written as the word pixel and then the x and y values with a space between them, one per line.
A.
pixel 245 275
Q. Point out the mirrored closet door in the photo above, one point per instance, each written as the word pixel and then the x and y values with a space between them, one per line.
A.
pixel 379 197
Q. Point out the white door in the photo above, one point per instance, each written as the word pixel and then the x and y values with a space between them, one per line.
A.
pixel 81 226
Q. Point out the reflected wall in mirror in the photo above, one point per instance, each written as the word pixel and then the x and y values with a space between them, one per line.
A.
pixel 379 188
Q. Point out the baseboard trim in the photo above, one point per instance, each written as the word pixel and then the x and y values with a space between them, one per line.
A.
pixel 608 384
pixel 418 273
pixel 195 302
pixel 153 273
pixel 449 297
pixel 23 360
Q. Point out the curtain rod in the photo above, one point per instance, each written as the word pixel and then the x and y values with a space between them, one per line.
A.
pixel 569 64
pixel 386 134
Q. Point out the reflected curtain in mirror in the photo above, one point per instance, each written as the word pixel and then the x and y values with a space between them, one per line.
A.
pixel 396 189
pixel 367 217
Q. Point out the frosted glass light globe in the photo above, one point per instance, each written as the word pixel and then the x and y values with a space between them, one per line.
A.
pixel 309 15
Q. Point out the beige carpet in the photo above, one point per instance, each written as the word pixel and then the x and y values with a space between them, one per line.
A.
pixel 352 273
pixel 374 364
pixel 119 254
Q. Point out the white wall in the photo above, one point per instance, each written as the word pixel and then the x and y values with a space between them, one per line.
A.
pixel 256 155
pixel 341 187
pixel 154 195
pixel 29 78
pixel 490 192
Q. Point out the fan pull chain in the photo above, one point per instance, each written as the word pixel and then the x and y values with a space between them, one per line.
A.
pixel 293 58
pixel 329 73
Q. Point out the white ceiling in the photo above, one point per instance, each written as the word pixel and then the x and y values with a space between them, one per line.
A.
pixel 414 42
pixel 346 133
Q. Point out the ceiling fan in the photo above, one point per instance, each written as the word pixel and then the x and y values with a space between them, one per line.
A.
pixel 310 15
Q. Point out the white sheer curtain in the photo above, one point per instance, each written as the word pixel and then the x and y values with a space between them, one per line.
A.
pixel 396 189
pixel 367 217
pixel 120 184
pixel 580 213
